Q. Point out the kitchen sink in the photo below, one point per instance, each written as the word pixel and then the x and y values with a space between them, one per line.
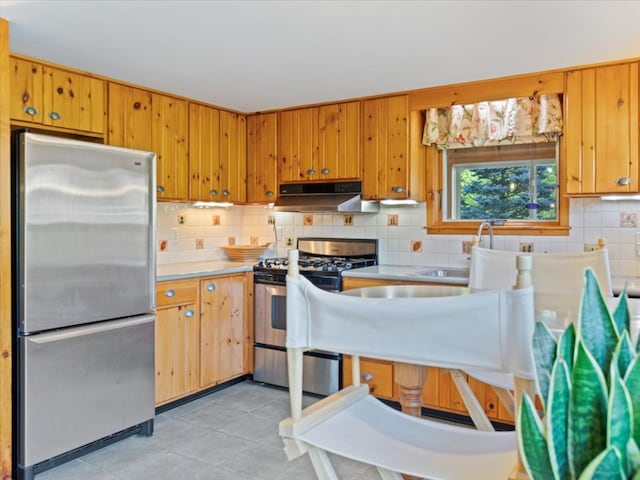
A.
pixel 445 272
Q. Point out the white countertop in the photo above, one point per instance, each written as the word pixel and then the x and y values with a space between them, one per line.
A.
pixel 178 271
pixel 406 273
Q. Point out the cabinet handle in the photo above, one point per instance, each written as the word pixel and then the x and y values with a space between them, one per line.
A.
pixel 269 193
pixel 225 193
pixel 623 181
pixel 367 377
pixel 160 188
pixel 311 171
pixel 188 313
pixel 31 111
pixel 170 293
pixel 55 116
pixel 325 171
pixel 397 189
pixel 213 192
pixel 211 287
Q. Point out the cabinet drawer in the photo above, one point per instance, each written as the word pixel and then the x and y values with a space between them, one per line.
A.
pixel 376 373
pixel 176 293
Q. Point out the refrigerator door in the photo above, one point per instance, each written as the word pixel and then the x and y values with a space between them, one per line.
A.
pixel 84 383
pixel 85 232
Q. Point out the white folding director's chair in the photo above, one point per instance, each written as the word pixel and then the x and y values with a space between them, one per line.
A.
pixel 491 330
pixel 558 281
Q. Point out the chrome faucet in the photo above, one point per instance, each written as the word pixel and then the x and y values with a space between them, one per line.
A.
pixel 486 223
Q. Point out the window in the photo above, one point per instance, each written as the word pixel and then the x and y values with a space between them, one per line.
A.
pixel 510 182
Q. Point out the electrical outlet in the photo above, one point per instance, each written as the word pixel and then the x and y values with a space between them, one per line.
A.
pixel 590 247
pixel 271 220
pixel 289 241
pixel 526 247
pixel 180 219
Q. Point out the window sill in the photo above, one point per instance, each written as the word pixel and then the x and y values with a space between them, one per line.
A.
pixel 512 229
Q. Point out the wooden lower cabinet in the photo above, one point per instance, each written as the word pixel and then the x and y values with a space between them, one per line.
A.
pixel 439 392
pixel 225 328
pixel 177 340
pixel 204 333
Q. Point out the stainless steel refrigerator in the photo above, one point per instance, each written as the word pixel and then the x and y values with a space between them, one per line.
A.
pixel 84 291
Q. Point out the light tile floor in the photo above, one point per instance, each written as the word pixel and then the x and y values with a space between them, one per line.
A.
pixel 231 434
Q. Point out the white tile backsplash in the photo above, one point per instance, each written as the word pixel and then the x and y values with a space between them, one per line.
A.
pixel 590 219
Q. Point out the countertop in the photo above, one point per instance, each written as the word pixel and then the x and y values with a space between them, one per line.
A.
pixel 408 273
pixel 179 271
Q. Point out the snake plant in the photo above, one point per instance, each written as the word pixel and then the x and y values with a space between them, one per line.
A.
pixel 588 381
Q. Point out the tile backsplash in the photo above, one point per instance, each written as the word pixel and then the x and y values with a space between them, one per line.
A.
pixel 187 234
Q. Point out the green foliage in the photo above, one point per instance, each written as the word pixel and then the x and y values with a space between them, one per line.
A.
pixel 589 382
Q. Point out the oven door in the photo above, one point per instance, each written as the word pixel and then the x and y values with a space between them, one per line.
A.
pixel 270 314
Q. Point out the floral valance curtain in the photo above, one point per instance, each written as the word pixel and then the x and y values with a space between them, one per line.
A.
pixel 515 120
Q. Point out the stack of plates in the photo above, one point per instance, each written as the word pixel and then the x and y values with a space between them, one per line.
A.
pixel 244 253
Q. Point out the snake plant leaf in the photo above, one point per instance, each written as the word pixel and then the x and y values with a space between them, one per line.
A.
pixel 622 315
pixel 566 346
pixel 633 454
pixel 596 326
pixel 606 466
pixel 632 382
pixel 587 411
pixel 619 413
pixel 532 442
pixel 544 354
pixel 557 418
pixel 624 352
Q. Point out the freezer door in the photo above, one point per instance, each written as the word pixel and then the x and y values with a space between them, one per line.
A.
pixel 82 384
pixel 85 233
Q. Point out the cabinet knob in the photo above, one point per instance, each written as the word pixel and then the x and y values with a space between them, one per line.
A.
pixel 367 377
pixel 211 287
pixel 311 171
pixel 160 188
pixel 226 193
pixel 31 111
pixel 188 313
pixel 269 193
pixel 55 116
pixel 623 181
pixel 170 293
pixel 213 191
pixel 325 171
pixel 397 189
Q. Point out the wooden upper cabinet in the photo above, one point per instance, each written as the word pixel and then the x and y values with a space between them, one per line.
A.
pixel 149 121
pixel 217 155
pixel 319 143
pixel 385 159
pixel 56 98
pixel 601 130
pixel 262 163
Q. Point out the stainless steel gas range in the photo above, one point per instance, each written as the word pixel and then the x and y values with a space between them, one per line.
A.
pixel 322 261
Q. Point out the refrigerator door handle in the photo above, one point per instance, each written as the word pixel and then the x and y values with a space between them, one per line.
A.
pixel 74 332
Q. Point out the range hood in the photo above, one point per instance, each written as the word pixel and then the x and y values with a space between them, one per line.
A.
pixel 342 197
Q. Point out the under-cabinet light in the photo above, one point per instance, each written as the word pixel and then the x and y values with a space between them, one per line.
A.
pixel 395 202
pixel 213 204
pixel 621 197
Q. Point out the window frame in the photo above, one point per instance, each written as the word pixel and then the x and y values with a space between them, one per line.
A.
pixel 437 225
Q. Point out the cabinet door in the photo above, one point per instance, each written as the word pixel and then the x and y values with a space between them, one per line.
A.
pixel 262 153
pixel 177 352
pixel 339 141
pixel 26 90
pixel 169 137
pixel 378 374
pixel 225 328
pixel 129 117
pixel 298 145
pixel 204 153
pixel 74 101
pixel 385 163
pixel 601 130
pixel 233 157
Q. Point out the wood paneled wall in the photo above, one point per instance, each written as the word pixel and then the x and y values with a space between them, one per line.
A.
pixel 5 257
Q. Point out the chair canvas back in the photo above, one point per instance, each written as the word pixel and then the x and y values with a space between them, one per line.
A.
pixel 490 330
pixel 558 278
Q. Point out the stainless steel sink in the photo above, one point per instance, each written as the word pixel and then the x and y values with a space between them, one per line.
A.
pixel 445 272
